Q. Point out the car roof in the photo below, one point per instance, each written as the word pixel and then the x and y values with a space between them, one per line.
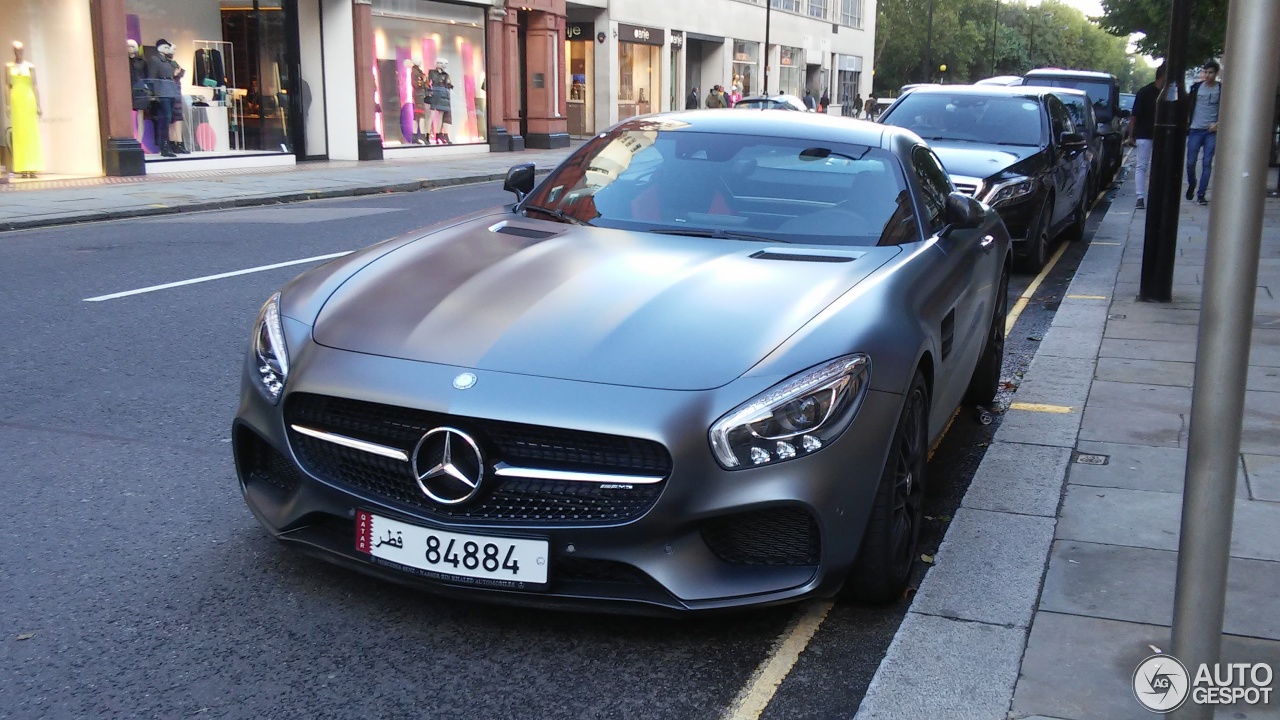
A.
pixel 1027 91
pixel 815 126
pixel 1061 72
pixel 1070 92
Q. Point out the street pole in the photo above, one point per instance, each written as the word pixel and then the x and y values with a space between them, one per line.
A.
pixel 1222 349
pixel 927 67
pixel 768 14
pixel 1168 147
pixel 995 22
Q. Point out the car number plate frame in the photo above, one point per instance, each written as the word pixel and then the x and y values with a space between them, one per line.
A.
pixel 492 561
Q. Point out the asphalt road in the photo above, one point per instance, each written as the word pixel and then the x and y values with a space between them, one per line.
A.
pixel 134 582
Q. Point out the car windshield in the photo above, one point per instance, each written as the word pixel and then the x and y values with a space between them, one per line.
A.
pixel 660 176
pixel 990 120
pixel 1098 90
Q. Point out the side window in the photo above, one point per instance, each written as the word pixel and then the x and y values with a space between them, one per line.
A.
pixel 1059 120
pixel 935 185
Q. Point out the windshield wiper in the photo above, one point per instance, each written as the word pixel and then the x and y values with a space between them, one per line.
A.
pixel 714 233
pixel 558 214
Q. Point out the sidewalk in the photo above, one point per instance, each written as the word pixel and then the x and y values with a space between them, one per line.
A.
pixel 1056 577
pixel 62 202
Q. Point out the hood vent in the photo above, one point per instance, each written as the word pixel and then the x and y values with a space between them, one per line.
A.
pixel 508 229
pixel 815 256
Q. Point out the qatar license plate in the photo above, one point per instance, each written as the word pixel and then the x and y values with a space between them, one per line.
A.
pixel 514 563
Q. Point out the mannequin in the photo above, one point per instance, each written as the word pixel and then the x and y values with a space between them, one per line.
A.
pixel 138 81
pixel 24 114
pixel 163 74
pixel 421 91
pixel 441 109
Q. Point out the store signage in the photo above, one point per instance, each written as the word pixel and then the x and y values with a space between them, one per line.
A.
pixel 677 38
pixel 642 35
pixel 579 31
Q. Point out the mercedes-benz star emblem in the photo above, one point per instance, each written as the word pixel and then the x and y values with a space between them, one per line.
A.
pixel 465 381
pixel 448 465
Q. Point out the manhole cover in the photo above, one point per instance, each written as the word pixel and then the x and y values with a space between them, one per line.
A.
pixel 1086 459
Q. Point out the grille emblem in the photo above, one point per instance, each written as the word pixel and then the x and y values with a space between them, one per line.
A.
pixel 448 466
pixel 465 381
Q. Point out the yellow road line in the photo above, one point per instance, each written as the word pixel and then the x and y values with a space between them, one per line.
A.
pixel 1025 297
pixel 1040 407
pixel 755 697
pixel 1088 297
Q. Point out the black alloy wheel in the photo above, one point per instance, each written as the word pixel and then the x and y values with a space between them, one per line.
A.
pixel 985 382
pixel 888 550
pixel 1036 251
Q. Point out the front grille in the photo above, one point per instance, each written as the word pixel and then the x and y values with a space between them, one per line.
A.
pixel 505 499
pixel 785 536
pixel 967 189
pixel 570 569
pixel 261 464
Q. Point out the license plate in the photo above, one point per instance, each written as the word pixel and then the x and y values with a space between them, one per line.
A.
pixel 515 563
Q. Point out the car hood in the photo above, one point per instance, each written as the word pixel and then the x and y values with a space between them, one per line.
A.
pixel 977 160
pixel 588 304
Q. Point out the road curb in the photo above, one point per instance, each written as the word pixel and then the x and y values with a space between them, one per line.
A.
pixel 978 681
pixel 250 201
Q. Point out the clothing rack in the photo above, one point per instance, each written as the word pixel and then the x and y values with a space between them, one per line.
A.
pixel 226 93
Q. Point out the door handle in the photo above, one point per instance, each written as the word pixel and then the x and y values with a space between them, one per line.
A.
pixel 987 242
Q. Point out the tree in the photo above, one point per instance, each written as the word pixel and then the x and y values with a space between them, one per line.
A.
pixel 1151 18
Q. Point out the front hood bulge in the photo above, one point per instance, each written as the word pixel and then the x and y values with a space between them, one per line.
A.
pixel 978 160
pixel 586 304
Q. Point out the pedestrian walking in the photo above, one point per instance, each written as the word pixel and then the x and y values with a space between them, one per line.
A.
pixel 824 102
pixel 691 101
pixel 1202 133
pixel 809 101
pixel 715 98
pixel 857 105
pixel 872 109
pixel 1142 131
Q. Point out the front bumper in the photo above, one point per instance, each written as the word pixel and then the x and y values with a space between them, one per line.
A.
pixel 669 557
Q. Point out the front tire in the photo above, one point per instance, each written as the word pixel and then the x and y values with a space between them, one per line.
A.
pixel 985 382
pixel 1036 252
pixel 888 551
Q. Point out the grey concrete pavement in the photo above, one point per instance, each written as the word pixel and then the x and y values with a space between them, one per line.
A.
pixel 1064 548
pixel 63 202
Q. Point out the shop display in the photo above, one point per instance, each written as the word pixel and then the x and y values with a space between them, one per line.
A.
pixel 441 108
pixel 163 73
pixel 421 95
pixel 24 114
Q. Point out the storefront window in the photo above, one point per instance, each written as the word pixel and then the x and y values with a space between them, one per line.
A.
pixel 746 59
pixel 54 75
pixel 430 73
pixel 580 81
pixel 638 67
pixel 791 71
pixel 225 82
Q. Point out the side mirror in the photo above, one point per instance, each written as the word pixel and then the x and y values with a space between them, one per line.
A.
pixel 1072 141
pixel 519 180
pixel 963 211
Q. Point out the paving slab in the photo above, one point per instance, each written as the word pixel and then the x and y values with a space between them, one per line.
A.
pixel 942 668
pixel 1260 434
pixel 1138 467
pixel 1138 518
pixel 1167 399
pixel 1155 372
pixel 988 569
pixel 1016 478
pixel 1263 472
pixel 1148 349
pixel 1137 585
pixel 1071 342
pixel 1132 426
pixel 1081 668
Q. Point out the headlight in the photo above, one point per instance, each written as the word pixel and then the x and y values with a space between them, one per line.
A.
pixel 269 351
pixel 1009 190
pixel 795 418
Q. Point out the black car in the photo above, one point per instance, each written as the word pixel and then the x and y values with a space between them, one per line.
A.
pixel 1104 90
pixel 1014 148
pixel 1081 109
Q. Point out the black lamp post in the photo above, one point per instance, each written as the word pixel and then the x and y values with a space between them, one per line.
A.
pixel 927 67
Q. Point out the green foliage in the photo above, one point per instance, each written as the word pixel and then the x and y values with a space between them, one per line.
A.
pixel 1151 18
pixel 975 40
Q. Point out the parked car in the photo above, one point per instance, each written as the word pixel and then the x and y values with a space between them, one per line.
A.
pixel 1104 90
pixel 1015 148
pixel 1126 112
pixel 772 102
pixel 1081 110
pixel 699 366
pixel 1001 80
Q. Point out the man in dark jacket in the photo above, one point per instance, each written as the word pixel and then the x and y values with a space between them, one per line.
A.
pixel 809 101
pixel 691 101
pixel 1202 132
pixel 1142 131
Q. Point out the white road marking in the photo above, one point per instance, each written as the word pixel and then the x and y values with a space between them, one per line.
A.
pixel 219 276
pixel 755 697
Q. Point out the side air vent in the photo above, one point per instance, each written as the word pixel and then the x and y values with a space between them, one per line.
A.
pixel 796 256
pixel 524 232
pixel 948 333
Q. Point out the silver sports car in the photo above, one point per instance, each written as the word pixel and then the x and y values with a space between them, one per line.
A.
pixel 699 366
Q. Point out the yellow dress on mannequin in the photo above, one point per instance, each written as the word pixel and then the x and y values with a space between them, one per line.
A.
pixel 28 155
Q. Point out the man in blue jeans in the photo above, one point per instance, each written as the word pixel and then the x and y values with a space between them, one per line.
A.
pixel 1202 133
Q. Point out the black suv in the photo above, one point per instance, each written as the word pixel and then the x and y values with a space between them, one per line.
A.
pixel 1014 148
pixel 1104 90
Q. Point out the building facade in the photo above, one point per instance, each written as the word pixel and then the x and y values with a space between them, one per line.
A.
pixel 126 87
